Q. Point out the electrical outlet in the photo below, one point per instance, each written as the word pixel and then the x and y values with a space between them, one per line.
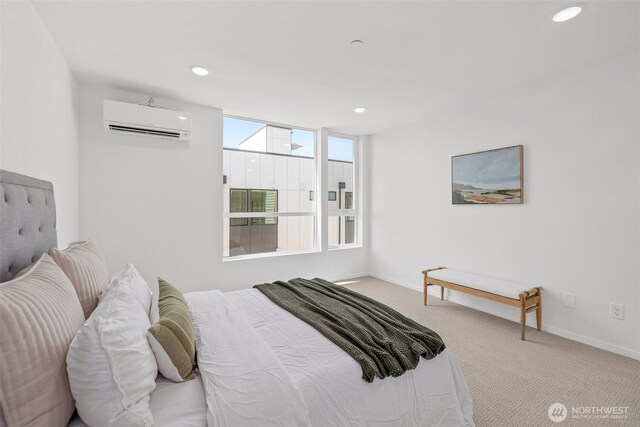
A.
pixel 616 311
pixel 569 300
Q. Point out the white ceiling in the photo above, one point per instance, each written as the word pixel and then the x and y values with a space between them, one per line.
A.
pixel 291 62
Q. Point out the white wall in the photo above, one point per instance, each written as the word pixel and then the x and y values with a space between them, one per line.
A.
pixel 579 228
pixel 159 203
pixel 39 115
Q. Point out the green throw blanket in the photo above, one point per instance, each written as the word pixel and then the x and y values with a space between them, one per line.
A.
pixel 383 341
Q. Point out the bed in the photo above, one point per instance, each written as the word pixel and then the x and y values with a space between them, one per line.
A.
pixel 259 364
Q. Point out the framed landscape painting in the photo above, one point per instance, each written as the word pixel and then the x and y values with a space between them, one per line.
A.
pixel 487 177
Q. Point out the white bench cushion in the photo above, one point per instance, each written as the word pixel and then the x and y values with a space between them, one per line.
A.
pixel 488 284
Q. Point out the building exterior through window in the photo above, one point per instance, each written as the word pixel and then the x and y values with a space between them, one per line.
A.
pixel 269 190
pixel 341 191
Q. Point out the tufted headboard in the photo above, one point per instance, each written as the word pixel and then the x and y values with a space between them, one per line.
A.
pixel 27 221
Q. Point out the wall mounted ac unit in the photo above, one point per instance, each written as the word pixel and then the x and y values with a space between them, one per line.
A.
pixel 134 119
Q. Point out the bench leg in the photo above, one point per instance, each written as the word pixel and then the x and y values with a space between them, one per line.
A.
pixel 442 293
pixel 424 292
pixel 539 313
pixel 523 317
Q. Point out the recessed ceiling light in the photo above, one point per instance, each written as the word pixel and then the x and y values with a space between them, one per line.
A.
pixel 359 110
pixel 201 71
pixel 567 13
pixel 182 117
pixel 357 43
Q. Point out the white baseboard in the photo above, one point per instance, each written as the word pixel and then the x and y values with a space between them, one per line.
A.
pixel 545 327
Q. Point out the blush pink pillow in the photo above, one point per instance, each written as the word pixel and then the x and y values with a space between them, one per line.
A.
pixel 84 265
pixel 39 317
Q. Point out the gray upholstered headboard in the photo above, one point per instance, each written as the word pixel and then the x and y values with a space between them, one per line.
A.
pixel 27 221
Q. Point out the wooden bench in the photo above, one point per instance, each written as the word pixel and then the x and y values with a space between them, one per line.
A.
pixel 519 295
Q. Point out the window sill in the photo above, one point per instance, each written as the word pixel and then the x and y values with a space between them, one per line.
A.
pixel 269 255
pixel 344 247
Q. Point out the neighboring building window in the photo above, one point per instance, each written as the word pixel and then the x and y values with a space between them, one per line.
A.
pixel 342 183
pixel 348 200
pixel 263 201
pixel 238 204
pixel 251 200
pixel 348 204
pixel 270 176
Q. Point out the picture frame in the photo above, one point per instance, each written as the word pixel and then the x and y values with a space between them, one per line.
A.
pixel 488 177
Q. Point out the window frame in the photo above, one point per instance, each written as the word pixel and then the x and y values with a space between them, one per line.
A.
pixel 227 216
pixel 357 211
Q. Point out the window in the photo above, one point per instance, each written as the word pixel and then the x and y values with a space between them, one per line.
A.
pixel 239 204
pixel 348 200
pixel 270 179
pixel 348 204
pixel 342 183
pixel 251 200
pixel 264 201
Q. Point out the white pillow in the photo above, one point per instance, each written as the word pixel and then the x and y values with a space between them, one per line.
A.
pixel 111 367
pixel 130 277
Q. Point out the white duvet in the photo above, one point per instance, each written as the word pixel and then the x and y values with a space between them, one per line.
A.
pixel 261 366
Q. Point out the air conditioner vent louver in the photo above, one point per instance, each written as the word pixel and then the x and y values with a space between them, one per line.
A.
pixel 145 131
pixel 142 120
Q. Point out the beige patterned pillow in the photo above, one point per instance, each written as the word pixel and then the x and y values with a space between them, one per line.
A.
pixel 39 316
pixel 84 265
pixel 172 338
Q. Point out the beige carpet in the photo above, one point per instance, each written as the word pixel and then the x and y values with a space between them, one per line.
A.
pixel 513 382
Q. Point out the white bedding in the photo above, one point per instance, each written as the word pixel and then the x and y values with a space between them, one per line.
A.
pixel 266 390
pixel 173 404
pixel 261 366
pixel 244 381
